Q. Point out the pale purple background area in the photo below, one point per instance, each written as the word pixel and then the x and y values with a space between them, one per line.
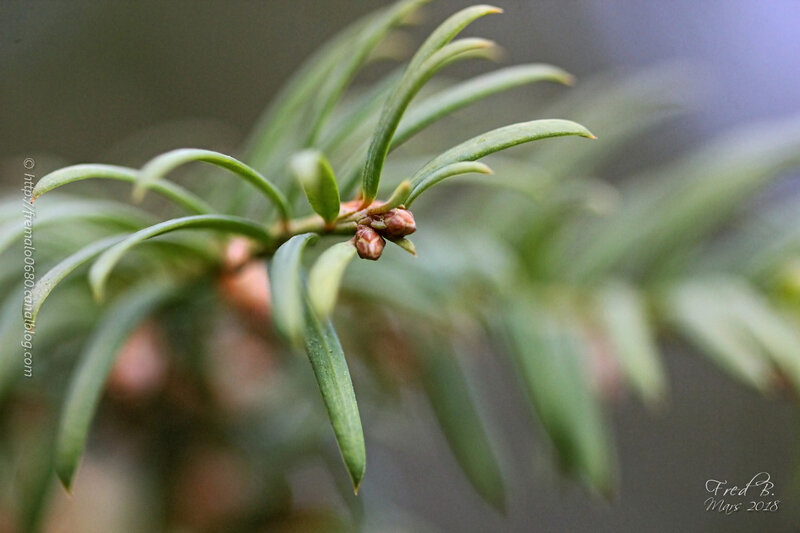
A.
pixel 750 50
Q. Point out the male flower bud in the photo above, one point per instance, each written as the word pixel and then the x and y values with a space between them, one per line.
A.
pixel 395 224
pixel 368 243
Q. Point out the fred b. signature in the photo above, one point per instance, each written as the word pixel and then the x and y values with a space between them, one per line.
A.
pixel 756 495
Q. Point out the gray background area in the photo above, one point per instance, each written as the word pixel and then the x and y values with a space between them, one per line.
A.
pixel 82 81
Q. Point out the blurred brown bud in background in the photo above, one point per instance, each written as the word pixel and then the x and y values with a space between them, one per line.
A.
pixel 244 283
pixel 140 370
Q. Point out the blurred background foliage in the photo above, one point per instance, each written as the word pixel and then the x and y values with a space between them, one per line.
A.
pixel 680 223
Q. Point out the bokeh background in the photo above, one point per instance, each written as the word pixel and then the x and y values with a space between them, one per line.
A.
pixel 118 82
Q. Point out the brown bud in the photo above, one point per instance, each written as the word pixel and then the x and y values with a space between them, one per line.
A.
pixel 141 367
pixel 247 290
pixel 210 486
pixel 395 223
pixel 368 243
pixel 237 253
